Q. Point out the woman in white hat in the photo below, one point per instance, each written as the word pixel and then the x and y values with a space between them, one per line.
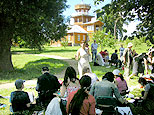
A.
pixel 120 82
pixel 127 59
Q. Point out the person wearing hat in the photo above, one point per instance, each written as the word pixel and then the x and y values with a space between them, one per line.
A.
pixel 120 82
pixel 127 59
pixel 19 99
pixel 47 84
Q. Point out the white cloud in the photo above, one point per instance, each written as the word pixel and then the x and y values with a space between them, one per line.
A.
pixel 130 28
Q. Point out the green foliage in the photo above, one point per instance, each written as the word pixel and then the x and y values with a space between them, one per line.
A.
pixel 127 41
pixel 141 10
pixel 34 21
pixel 103 38
pixel 136 41
pixel 64 42
pixel 112 19
pixel 148 43
pixel 142 39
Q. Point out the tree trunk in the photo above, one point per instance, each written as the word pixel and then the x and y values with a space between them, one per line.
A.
pixel 5 46
pixel 115 27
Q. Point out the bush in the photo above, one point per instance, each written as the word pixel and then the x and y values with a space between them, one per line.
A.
pixel 64 42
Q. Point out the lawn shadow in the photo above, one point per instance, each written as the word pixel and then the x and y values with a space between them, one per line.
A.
pixel 32 69
pixel 42 51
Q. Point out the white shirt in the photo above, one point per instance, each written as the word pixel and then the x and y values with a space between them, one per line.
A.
pixel 54 107
pixel 93 76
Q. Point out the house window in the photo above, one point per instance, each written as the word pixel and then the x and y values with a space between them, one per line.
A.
pixel 78 20
pixel 90 28
pixel 86 19
pixel 69 37
pixel 78 37
pixel 84 37
pixel 97 27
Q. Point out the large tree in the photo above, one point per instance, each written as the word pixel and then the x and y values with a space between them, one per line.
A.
pixel 112 21
pixel 33 21
pixel 142 10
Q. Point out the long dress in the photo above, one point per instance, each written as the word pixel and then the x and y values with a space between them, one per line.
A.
pixel 83 62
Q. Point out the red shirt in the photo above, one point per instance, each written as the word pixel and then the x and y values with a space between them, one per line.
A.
pixel 88 106
pixel 103 53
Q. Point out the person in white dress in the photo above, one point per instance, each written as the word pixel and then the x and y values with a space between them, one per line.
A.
pixel 84 59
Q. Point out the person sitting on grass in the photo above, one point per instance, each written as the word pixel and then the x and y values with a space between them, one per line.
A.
pixel 81 102
pixel 147 105
pixel 47 84
pixel 70 83
pixel 94 78
pixel 19 99
pixel 106 87
pixel 120 82
pixel 115 60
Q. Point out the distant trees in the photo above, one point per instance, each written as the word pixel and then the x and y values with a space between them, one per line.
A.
pixel 104 38
pixel 141 10
pixel 32 22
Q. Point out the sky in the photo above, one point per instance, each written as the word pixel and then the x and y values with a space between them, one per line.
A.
pixel 72 3
pixel 69 11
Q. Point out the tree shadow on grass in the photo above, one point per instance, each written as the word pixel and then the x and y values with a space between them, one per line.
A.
pixel 43 51
pixel 32 69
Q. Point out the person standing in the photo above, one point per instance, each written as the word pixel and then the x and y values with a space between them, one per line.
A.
pixel 84 59
pixel 127 59
pixel 121 49
pixel 94 50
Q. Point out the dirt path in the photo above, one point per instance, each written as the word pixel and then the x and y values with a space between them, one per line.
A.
pixel 71 62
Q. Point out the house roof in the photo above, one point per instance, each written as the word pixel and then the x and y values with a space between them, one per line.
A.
pixel 76 29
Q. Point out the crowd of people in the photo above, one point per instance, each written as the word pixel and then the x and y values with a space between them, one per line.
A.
pixel 79 96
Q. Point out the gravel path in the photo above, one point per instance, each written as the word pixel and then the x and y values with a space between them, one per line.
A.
pixel 71 62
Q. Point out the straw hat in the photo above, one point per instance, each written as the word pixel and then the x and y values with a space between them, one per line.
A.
pixel 129 44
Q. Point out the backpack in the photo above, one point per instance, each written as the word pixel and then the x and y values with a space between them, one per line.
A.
pixel 63 106
pixel 19 99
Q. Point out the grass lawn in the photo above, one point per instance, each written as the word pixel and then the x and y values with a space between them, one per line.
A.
pixel 28 66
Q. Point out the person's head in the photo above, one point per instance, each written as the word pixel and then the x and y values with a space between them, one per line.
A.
pixel 85 81
pixel 19 84
pixel 86 70
pixel 117 74
pixel 83 44
pixel 45 70
pixel 105 50
pixel 116 51
pixel 109 76
pixel 86 44
pixel 70 74
pixel 142 81
pixel 77 101
pixel 121 45
pixel 94 41
pixel 130 45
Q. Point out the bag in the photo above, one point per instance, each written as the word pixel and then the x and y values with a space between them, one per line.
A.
pixel 63 106
pixel 106 100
